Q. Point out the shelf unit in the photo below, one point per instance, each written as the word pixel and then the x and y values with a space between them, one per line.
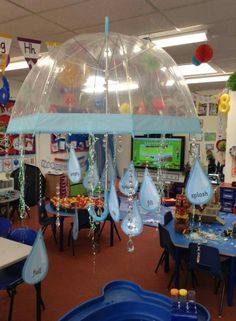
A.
pixel 227 198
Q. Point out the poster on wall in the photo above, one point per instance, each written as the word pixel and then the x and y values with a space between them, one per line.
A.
pixel 213 109
pixel 202 109
pixel 9 144
pixel 60 142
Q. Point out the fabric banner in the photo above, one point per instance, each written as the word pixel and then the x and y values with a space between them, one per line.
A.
pixel 52 44
pixel 30 49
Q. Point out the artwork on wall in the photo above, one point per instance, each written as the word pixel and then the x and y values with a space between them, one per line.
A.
pixel 9 144
pixel 202 109
pixel 201 121
pixel 59 142
pixel 213 109
pixel 209 147
pixel 195 148
pixel 208 137
pixel 195 137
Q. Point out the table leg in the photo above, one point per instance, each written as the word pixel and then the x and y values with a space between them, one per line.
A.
pixel 111 232
pixel 231 281
pixel 61 236
pixel 38 301
pixel 177 264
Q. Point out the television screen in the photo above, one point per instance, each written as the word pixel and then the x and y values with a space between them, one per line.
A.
pixel 167 153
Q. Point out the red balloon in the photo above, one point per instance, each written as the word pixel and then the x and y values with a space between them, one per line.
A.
pixel 204 53
pixel 158 104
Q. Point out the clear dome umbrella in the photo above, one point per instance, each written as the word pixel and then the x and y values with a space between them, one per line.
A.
pixel 105 83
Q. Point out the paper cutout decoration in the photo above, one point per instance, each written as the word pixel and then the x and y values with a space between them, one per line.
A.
pixel 113 203
pixel 148 195
pixel 199 190
pixel 30 49
pixel 74 171
pixel 132 224
pixel 75 228
pixel 102 216
pixel 36 266
pixel 129 182
pixel 91 178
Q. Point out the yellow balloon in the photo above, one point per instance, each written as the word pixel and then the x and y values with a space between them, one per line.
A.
pixel 125 108
pixel 224 107
pixel 73 75
pixel 224 99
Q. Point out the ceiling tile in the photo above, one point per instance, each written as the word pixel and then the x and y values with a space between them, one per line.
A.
pixel 31 26
pixel 43 5
pixel 92 13
pixel 170 4
pixel 202 13
pixel 9 12
pixel 134 26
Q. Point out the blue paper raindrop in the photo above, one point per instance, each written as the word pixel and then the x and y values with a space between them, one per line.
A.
pixel 75 228
pixel 74 171
pixel 199 189
pixel 148 194
pixel 36 266
pixel 91 178
pixel 113 203
pixel 111 172
pixel 129 182
pixel 132 224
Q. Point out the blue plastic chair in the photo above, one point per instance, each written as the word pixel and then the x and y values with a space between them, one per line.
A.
pixel 164 256
pixel 5 227
pixel 11 276
pixel 207 258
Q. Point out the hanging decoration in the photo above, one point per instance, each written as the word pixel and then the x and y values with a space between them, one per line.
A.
pixel 113 204
pixel 148 195
pixel 204 53
pixel 36 266
pixel 97 89
pixel 30 49
pixel 199 189
pixel 224 100
pixel 4 91
pixel 74 171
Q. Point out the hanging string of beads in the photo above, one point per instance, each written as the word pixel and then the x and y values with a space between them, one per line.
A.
pixel 58 205
pixel 160 179
pixel 130 244
pixel 22 205
pixel 91 169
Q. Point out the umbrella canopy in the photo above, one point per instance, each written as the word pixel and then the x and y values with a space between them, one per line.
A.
pixel 105 83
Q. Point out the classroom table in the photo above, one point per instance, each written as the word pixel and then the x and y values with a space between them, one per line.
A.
pixel 12 252
pixel 225 245
pixel 6 199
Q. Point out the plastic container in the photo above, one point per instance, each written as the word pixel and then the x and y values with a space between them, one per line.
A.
pixel 126 301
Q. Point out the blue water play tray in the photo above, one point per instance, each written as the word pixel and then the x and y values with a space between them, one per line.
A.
pixel 126 301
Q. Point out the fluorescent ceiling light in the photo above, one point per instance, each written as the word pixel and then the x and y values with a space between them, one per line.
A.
pixel 97 85
pixel 191 70
pixel 201 80
pixel 180 39
pixel 17 65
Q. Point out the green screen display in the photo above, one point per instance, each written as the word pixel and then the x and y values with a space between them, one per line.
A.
pixel 167 154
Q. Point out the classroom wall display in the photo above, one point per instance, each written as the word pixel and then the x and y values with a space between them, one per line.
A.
pixel 202 109
pixel 213 109
pixel 60 142
pixel 9 144
pixel 209 137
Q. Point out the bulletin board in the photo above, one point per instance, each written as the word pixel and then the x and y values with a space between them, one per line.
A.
pixel 9 144
pixel 60 142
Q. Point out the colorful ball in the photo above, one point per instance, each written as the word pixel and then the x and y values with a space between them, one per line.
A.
pixel 158 104
pixel 204 53
pixel 124 108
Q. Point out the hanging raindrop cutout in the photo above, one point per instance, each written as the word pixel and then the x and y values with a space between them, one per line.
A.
pixel 132 224
pixel 199 189
pixel 113 203
pixel 148 195
pixel 91 178
pixel 74 171
pixel 129 182
pixel 36 266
